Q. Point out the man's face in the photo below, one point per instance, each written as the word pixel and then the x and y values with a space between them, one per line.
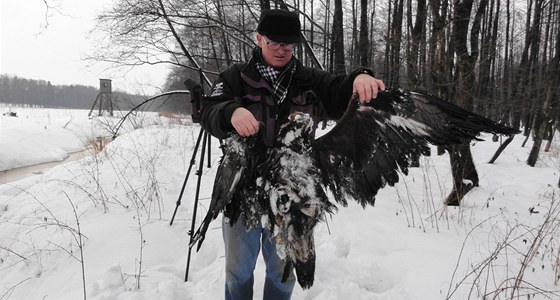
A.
pixel 276 58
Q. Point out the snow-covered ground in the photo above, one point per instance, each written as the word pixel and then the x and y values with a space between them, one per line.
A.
pixel 100 225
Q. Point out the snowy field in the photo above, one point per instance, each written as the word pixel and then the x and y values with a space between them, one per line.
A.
pixel 98 227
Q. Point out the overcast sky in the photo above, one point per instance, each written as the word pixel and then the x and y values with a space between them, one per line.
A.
pixel 54 53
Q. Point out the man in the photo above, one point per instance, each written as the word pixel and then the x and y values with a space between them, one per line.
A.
pixel 267 89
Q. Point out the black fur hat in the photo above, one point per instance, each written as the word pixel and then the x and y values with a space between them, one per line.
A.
pixel 280 25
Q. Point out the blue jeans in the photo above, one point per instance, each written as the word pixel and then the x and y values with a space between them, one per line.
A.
pixel 242 248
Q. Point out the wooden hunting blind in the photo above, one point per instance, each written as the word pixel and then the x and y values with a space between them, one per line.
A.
pixel 104 100
pixel 105 86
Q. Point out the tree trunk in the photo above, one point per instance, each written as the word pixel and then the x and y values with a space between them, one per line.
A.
pixel 437 78
pixel 363 44
pixel 338 39
pixel 354 56
pixel 542 107
pixel 395 39
pixel 506 91
pixel 327 52
pixel 486 92
pixel 417 35
pixel 438 81
pixel 524 79
pixel 225 39
pixel 540 128
pixel 463 170
pixel 465 177
pixel 373 45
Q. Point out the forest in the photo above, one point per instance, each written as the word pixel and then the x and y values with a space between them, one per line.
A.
pixel 30 92
pixel 20 91
pixel 498 58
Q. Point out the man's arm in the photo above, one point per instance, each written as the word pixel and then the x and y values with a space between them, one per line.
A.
pixel 367 87
pixel 218 109
pixel 335 90
pixel 244 122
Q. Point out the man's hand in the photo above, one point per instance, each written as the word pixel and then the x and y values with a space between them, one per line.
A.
pixel 244 122
pixel 367 87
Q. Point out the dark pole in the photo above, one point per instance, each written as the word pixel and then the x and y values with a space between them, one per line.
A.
pixel 193 223
pixel 209 148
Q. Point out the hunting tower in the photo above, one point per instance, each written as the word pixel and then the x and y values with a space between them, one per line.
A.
pixel 104 100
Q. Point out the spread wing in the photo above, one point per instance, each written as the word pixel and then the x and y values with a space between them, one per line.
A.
pixel 231 176
pixel 371 143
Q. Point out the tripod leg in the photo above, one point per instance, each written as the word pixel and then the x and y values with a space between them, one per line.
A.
pixel 209 149
pixel 193 159
pixel 196 198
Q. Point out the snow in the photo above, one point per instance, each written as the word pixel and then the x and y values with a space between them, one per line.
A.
pixel 120 202
pixel 37 136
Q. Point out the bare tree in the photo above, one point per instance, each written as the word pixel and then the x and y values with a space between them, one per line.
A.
pixel 363 42
pixel 338 39
pixel 439 78
pixel 417 42
pixel 394 41
pixel 544 74
pixel 465 176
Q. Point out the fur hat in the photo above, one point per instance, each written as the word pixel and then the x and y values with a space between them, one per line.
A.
pixel 280 26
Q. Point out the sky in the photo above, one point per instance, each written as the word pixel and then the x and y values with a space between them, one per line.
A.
pixel 120 202
pixel 31 48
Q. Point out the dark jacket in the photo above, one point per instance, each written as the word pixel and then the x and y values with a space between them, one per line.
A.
pixel 319 93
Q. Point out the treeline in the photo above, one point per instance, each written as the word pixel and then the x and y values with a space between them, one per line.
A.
pixel 31 92
pixel 23 91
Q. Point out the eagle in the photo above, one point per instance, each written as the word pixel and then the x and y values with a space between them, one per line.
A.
pixel 368 148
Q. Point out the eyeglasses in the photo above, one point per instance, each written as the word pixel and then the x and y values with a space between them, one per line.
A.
pixel 275 46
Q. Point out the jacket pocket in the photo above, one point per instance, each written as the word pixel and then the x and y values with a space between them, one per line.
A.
pixel 253 103
pixel 305 102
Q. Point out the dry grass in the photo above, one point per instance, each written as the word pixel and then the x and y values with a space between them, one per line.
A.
pixel 173 117
pixel 98 144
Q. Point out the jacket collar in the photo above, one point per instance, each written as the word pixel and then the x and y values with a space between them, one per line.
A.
pixel 253 78
pixel 251 75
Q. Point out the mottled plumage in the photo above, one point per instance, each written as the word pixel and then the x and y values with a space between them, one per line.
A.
pixel 365 151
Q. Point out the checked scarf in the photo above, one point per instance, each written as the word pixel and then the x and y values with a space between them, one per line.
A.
pixel 280 79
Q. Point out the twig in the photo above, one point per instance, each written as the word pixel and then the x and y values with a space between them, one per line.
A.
pixel 80 244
